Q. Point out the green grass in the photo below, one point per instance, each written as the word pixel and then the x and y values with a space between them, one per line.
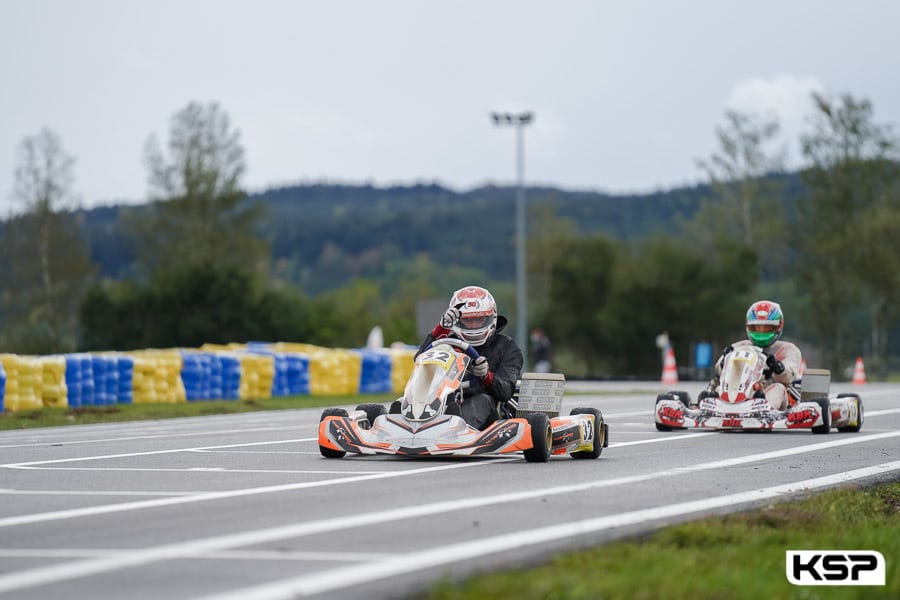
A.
pixel 52 417
pixel 739 556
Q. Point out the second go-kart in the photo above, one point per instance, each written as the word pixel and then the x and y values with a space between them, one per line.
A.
pixel 426 421
pixel 739 402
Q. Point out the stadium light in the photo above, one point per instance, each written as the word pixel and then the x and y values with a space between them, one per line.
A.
pixel 519 121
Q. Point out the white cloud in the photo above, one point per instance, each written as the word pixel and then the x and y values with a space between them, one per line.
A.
pixel 787 97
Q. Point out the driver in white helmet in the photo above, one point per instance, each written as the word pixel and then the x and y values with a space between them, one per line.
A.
pixel 472 317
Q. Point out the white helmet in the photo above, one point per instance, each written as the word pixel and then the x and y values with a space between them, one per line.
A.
pixel 478 314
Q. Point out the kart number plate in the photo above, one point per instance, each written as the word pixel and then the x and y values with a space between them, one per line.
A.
pixel 436 357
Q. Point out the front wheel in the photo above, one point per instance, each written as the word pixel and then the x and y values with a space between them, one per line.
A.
pixel 599 433
pixel 332 412
pixel 541 438
pixel 659 398
pixel 373 411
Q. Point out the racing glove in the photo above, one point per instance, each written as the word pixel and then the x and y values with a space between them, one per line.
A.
pixel 774 365
pixel 480 367
pixel 450 317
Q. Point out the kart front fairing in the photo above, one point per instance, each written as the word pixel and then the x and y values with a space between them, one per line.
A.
pixel 441 436
pixel 742 375
pixel 753 413
pixel 436 380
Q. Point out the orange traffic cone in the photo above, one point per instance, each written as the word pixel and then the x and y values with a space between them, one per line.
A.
pixel 859 372
pixel 670 370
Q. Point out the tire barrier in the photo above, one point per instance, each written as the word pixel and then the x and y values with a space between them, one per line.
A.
pixel 375 372
pixel 2 386
pixel 211 372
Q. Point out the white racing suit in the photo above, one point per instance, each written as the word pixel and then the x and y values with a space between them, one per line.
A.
pixel 776 386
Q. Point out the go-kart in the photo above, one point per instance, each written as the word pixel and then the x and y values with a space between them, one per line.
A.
pixel 739 401
pixel 426 421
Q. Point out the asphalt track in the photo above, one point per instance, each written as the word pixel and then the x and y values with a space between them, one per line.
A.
pixel 244 506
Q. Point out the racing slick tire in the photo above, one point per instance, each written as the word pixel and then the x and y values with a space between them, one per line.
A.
pixel 599 433
pixel 541 438
pixel 825 427
pixel 372 412
pixel 332 412
pixel 660 426
pixel 859 410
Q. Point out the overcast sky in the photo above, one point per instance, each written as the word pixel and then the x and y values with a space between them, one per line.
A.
pixel 626 94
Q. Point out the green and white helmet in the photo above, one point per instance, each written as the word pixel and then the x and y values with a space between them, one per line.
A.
pixel 765 322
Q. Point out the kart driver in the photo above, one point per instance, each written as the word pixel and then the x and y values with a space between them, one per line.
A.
pixel 765 323
pixel 472 317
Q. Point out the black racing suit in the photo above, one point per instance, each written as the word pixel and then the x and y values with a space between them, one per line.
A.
pixel 481 401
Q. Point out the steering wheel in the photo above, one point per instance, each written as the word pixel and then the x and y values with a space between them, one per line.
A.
pixel 466 347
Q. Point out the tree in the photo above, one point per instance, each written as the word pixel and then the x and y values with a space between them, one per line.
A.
pixel 546 243
pixel 198 211
pixel 49 264
pixel 852 178
pixel 580 288
pixel 670 284
pixel 879 261
pixel 747 206
pixel 192 305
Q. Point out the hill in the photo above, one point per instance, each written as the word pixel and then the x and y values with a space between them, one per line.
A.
pixel 322 235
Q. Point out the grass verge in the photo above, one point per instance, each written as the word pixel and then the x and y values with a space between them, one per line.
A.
pixel 739 556
pixel 52 417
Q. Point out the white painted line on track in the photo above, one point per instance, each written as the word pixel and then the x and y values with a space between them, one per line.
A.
pixel 267 555
pixel 880 413
pixel 245 452
pixel 205 497
pixel 666 438
pixel 644 413
pixel 343 577
pixel 76 569
pixel 155 436
pixel 151 453
pixel 91 493
pixel 210 469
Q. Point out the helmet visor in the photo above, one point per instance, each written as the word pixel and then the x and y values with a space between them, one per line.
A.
pixel 762 327
pixel 475 321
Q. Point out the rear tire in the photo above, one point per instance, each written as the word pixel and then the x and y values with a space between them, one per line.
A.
pixel 541 438
pixel 332 412
pixel 660 426
pixel 825 427
pixel 372 412
pixel 599 433
pixel 859 410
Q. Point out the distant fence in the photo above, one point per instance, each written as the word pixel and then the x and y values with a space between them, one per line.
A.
pixel 211 372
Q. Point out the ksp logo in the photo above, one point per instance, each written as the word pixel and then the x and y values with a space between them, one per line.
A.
pixel 835 567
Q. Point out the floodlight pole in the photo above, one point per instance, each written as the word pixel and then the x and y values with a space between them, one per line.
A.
pixel 519 121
